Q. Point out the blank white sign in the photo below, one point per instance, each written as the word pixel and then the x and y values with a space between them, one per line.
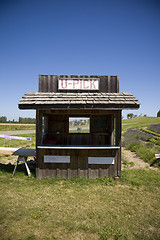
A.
pixel 100 160
pixel 56 159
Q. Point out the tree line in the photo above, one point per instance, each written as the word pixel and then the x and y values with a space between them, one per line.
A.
pixel 3 119
pixel 80 122
pixel 131 115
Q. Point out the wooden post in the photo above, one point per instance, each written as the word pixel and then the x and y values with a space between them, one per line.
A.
pixel 38 137
pixel 112 131
pixel 118 140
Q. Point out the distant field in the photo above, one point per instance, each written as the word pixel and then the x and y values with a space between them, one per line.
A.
pixel 81 131
pixel 126 123
pixel 139 122
pixel 16 126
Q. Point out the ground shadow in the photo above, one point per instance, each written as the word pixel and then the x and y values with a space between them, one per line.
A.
pixel 8 168
pixel 156 162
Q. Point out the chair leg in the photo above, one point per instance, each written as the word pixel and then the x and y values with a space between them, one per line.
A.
pixel 22 159
pixel 28 171
pixel 15 167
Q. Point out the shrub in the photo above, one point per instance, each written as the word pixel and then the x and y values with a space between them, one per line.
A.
pixel 144 144
pixel 132 135
pixel 158 113
pixel 146 154
pixel 154 128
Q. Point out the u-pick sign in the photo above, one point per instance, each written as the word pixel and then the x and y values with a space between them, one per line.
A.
pixel 79 84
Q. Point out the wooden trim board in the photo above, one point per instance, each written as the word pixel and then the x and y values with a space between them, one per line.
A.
pixel 63 147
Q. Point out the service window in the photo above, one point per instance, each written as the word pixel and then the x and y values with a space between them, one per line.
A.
pixel 79 125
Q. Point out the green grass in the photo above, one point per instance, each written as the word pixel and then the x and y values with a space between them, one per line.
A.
pixel 79 208
pixel 150 179
pixel 14 127
pixel 19 143
pixel 82 131
pixel 139 122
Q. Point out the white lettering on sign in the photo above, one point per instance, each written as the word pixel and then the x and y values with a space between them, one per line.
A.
pixel 79 84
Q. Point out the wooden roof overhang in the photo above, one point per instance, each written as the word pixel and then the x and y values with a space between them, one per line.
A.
pixel 62 101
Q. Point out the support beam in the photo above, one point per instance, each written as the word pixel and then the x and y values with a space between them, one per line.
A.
pixel 118 140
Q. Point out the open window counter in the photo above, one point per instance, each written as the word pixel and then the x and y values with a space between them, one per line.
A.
pixel 79 147
pixel 67 161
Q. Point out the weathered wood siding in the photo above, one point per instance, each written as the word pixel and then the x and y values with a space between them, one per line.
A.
pixel 108 134
pixel 78 166
pixel 49 83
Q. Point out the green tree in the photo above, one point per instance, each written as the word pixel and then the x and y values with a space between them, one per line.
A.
pixel 130 115
pixel 3 119
pixel 158 113
pixel 27 120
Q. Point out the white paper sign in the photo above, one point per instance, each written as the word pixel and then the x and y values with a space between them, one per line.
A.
pixel 79 84
pixel 15 137
pixel 56 159
pixel 100 160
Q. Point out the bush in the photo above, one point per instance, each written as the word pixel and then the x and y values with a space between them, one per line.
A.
pixel 146 154
pixel 154 128
pixel 158 113
pixel 143 144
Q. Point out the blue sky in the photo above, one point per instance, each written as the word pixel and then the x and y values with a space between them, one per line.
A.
pixel 79 37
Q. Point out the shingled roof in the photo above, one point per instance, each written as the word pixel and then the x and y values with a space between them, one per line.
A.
pixel 50 100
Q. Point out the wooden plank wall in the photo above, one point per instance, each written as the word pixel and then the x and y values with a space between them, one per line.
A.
pixel 78 166
pixel 49 83
pixel 79 158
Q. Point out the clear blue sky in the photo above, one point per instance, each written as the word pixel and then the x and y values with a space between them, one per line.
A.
pixel 79 37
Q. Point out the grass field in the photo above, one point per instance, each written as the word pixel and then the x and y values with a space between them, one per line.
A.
pixel 79 209
pixel 14 127
pixel 82 131
pixel 19 143
pixel 139 122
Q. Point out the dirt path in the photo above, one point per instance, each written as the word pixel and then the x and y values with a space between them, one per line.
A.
pixel 131 157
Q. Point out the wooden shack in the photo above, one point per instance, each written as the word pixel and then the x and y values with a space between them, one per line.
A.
pixel 65 154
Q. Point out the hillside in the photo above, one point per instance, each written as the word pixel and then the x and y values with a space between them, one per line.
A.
pixel 139 122
pixel 142 136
